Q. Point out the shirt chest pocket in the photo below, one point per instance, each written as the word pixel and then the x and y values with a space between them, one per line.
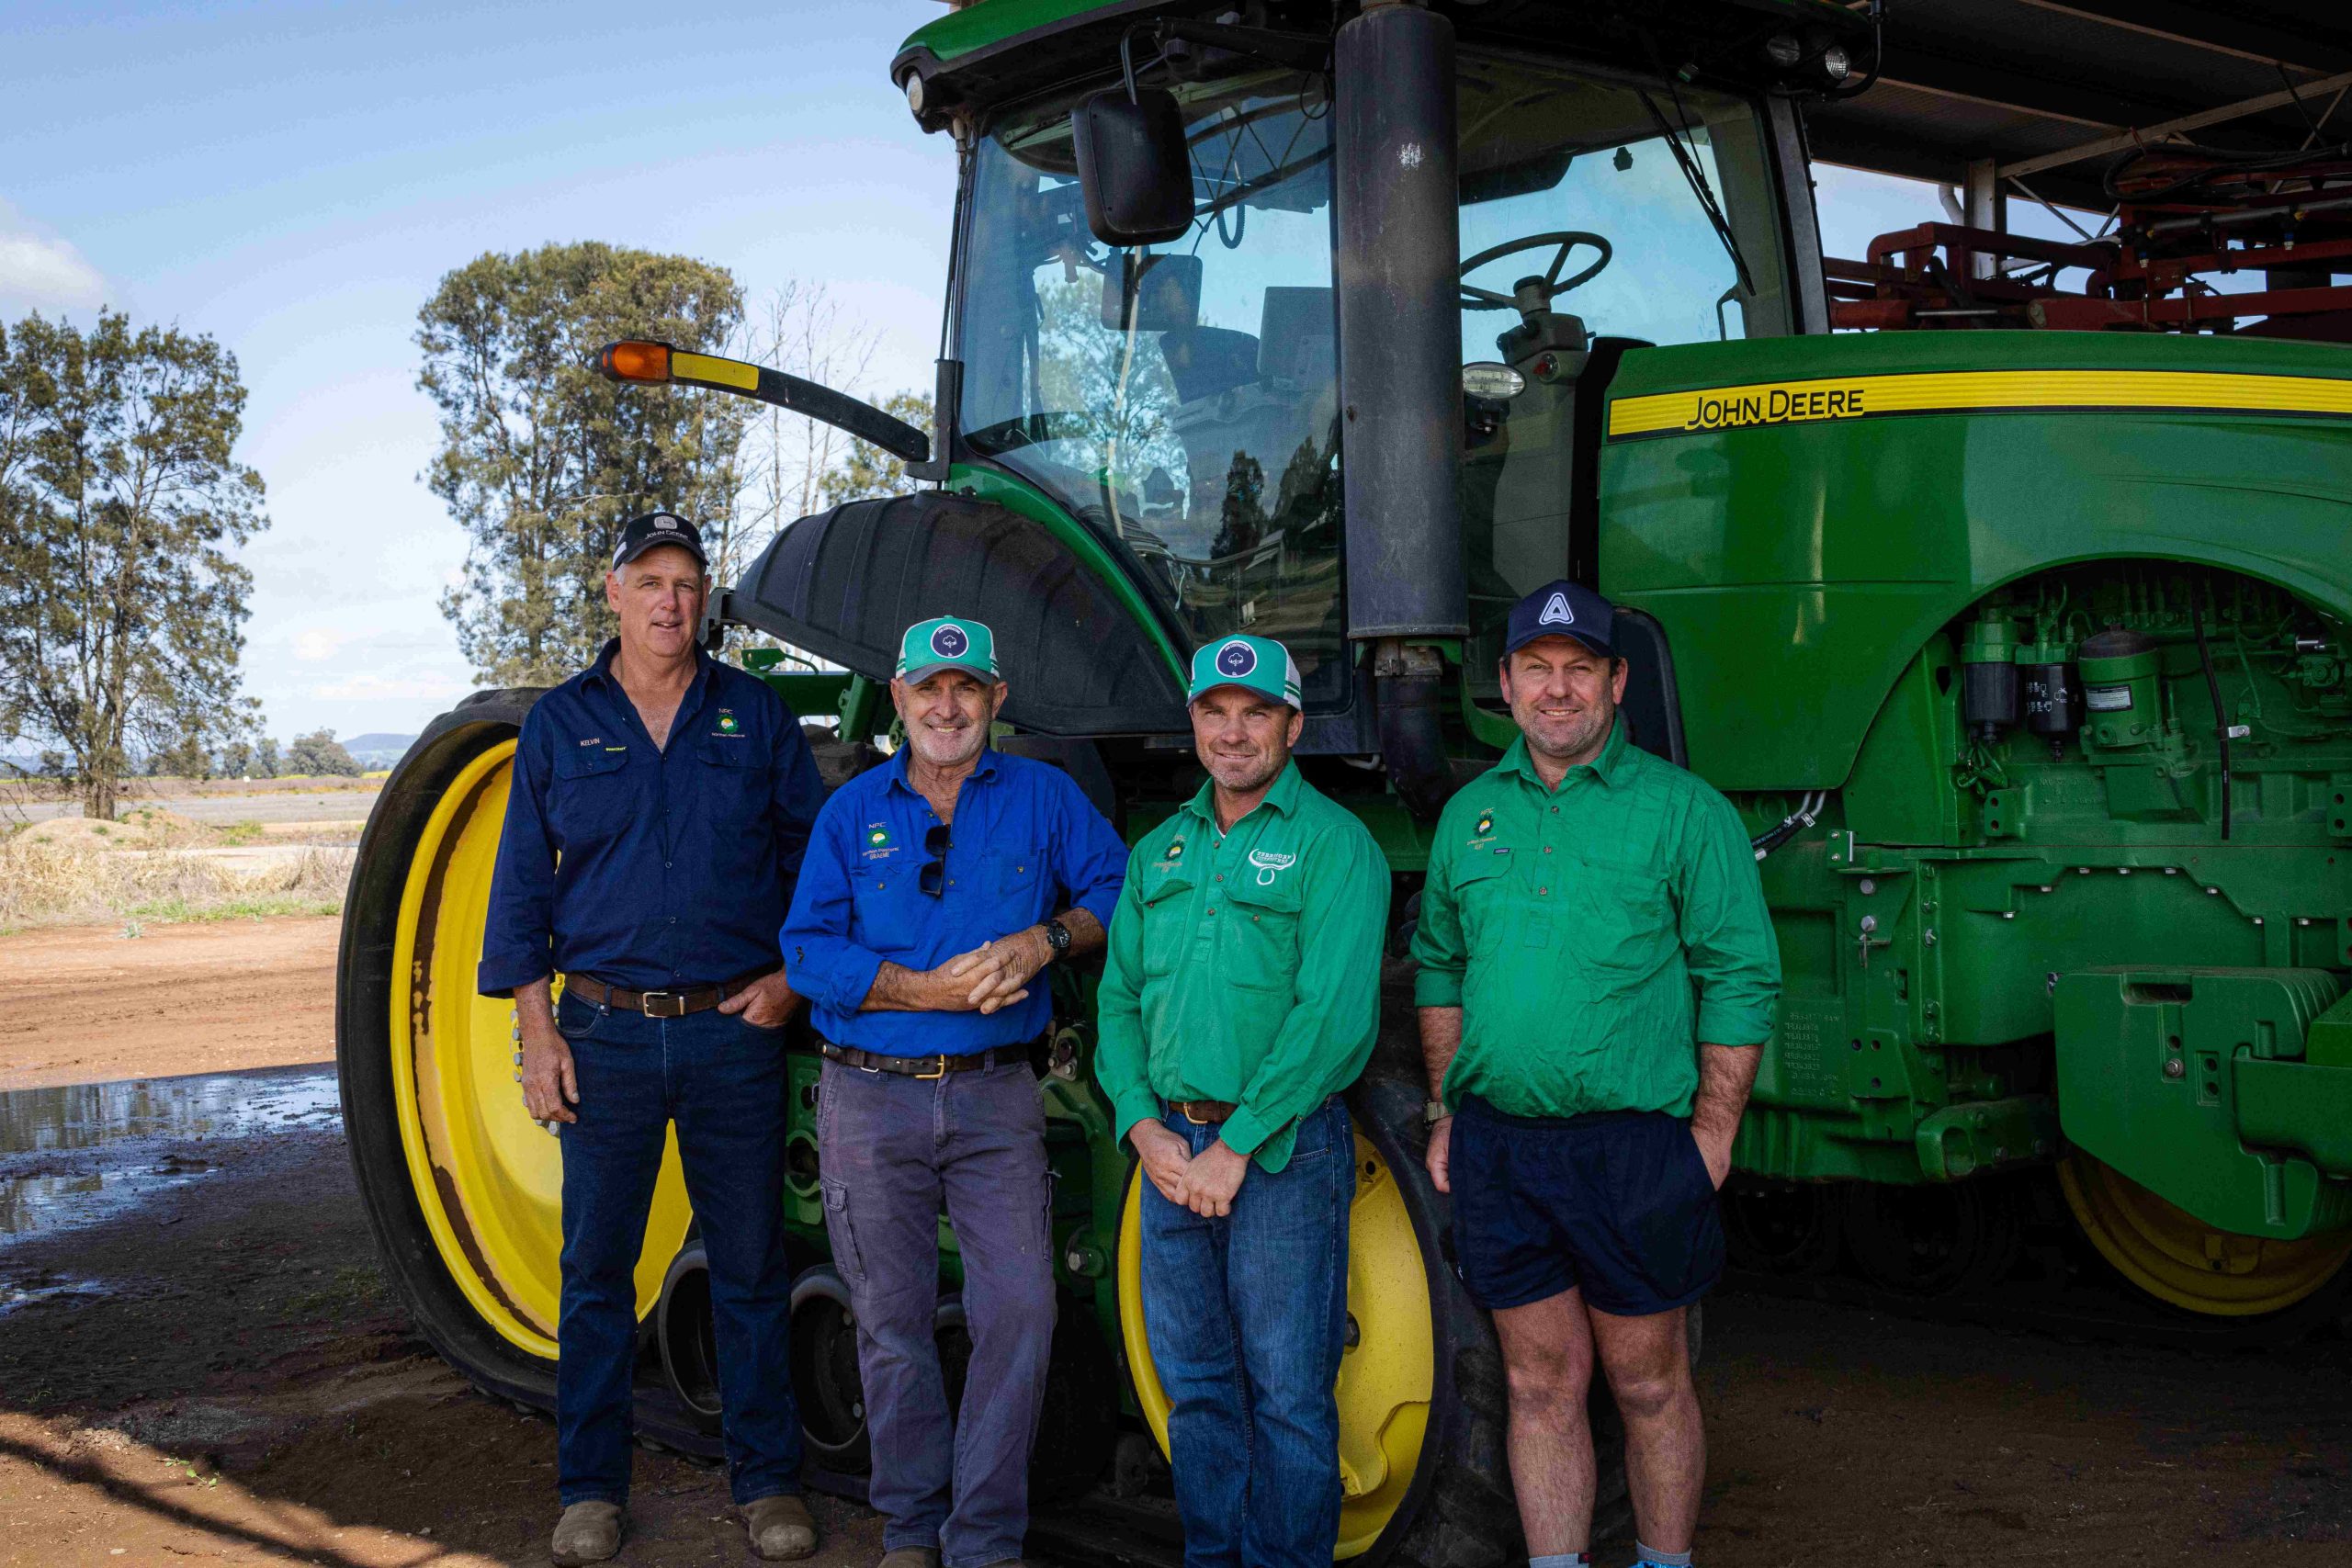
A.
pixel 734 779
pixel 1259 937
pixel 1625 919
pixel 589 798
pixel 1167 898
pixel 887 905
pixel 1481 883
pixel 1019 879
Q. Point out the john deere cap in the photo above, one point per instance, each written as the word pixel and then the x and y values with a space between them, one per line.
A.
pixel 951 642
pixel 1562 608
pixel 640 535
pixel 1257 663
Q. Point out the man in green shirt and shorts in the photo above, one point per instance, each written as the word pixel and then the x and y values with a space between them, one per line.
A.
pixel 1598 969
pixel 1240 996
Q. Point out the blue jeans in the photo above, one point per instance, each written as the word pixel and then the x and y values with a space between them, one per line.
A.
pixel 1246 1316
pixel 722 1081
pixel 895 1151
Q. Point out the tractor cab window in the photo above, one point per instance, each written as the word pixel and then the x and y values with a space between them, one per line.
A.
pixel 1180 399
pixel 1597 212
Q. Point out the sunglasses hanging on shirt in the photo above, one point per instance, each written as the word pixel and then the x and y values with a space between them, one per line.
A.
pixel 933 874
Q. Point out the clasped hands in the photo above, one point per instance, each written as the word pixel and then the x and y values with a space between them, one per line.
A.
pixel 1204 1183
pixel 992 976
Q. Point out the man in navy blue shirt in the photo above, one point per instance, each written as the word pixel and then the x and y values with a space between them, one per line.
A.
pixel 935 889
pixel 659 807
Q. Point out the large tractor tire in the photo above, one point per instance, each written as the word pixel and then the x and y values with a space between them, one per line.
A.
pixel 461 1187
pixel 1423 1466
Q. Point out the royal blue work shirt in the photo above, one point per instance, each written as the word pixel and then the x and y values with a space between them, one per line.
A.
pixel 653 869
pixel 1027 845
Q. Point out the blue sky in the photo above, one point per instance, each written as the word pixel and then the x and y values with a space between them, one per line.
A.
pixel 294 179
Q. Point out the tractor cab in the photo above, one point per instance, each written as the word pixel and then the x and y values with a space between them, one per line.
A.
pixel 1302 326
pixel 1182 400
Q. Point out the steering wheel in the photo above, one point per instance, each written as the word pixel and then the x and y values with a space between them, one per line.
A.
pixel 1567 239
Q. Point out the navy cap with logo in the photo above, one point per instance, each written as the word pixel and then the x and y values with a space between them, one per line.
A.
pixel 1561 608
pixel 653 530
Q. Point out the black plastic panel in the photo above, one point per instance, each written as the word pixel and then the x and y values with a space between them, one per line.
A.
pixel 1653 705
pixel 845 584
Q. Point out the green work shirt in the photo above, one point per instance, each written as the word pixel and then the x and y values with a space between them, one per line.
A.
pixel 1594 934
pixel 1245 965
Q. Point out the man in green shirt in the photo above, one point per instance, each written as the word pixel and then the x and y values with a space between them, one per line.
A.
pixel 1598 968
pixel 1240 996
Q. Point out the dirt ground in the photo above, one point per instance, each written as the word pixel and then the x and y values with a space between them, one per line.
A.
pixel 83 1004
pixel 215 1374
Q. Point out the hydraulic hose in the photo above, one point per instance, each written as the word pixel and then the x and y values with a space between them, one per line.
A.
pixel 1808 811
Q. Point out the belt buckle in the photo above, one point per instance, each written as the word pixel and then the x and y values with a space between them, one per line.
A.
pixel 941 1059
pixel 673 1004
pixel 1185 1107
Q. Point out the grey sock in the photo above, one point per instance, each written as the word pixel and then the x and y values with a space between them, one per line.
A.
pixel 1561 1560
pixel 1649 1557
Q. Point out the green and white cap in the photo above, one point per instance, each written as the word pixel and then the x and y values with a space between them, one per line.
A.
pixel 1255 663
pixel 950 642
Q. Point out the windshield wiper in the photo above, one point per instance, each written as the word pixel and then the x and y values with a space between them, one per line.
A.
pixel 1697 179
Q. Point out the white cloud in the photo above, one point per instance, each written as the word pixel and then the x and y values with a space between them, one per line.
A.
pixel 42 271
pixel 313 644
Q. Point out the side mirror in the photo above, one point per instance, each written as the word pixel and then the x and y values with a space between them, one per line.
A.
pixel 1163 292
pixel 1133 166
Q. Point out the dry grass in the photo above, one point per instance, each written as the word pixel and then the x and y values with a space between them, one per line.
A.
pixel 53 874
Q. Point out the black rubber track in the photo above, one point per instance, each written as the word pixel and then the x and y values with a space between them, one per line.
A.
pixel 1460 1512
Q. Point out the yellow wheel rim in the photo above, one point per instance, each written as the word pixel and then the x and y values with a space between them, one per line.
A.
pixel 2180 1259
pixel 1384 1376
pixel 490 1181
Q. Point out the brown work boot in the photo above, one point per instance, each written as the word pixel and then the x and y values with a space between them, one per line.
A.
pixel 909 1557
pixel 781 1528
pixel 588 1532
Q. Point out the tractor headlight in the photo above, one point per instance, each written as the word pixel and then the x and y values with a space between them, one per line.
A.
pixel 1783 51
pixel 1835 63
pixel 914 92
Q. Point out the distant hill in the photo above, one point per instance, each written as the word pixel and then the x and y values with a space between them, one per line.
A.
pixel 375 750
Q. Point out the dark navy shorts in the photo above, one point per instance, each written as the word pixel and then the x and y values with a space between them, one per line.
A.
pixel 1617 1203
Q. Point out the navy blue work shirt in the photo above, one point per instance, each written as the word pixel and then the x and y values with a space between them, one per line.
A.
pixel 675 863
pixel 1027 845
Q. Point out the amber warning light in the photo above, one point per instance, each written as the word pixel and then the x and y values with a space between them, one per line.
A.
pixel 636 361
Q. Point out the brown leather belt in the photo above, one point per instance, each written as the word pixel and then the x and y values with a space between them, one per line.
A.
pixel 931 1066
pixel 662 1004
pixel 1200 1112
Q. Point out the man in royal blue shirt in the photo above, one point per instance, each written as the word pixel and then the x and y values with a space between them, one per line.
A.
pixel 934 889
pixel 659 811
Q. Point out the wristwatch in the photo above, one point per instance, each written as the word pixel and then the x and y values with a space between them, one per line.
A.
pixel 1057 937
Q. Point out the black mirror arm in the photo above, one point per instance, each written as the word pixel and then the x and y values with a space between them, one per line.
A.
pixel 862 419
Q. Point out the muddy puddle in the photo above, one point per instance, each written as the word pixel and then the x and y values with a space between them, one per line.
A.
pixel 76 1154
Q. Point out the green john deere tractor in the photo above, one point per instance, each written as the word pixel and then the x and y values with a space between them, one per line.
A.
pixel 2023 651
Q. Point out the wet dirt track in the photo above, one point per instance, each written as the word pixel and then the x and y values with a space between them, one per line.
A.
pixel 86 1004
pixel 198 1364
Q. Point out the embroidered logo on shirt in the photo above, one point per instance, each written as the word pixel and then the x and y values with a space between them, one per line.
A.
pixel 1556 611
pixel 1268 863
pixel 1486 824
pixel 727 722
pixel 878 841
pixel 594 741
